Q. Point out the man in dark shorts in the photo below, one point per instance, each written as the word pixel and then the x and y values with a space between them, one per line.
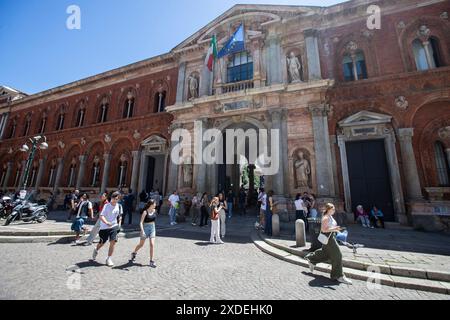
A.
pixel 110 221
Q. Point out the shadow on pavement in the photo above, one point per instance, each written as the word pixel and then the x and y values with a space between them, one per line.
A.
pixel 127 265
pixel 202 236
pixel 89 264
pixel 321 281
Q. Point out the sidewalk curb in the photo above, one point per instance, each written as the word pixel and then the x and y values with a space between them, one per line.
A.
pixel 388 270
pixel 385 279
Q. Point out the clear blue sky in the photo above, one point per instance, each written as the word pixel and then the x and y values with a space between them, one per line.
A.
pixel 38 52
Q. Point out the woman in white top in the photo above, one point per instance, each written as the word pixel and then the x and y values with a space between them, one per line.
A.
pixel 329 251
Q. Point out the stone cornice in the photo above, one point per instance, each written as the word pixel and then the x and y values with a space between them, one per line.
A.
pixel 317 84
pixel 104 79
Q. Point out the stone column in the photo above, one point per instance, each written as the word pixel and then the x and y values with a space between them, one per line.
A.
pixel 278 184
pixel 81 171
pixel 135 171
pixel 274 60
pixel 8 174
pixel 312 54
pixel 201 173
pixel 172 180
pixel 40 173
pixel 105 176
pixel 59 171
pixel 284 151
pixel 256 54
pixel 181 80
pixel 413 188
pixel 3 121
pixel 324 164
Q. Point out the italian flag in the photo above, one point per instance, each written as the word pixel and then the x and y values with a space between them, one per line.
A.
pixel 212 54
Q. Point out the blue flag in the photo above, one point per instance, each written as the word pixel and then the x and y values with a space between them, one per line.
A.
pixel 235 44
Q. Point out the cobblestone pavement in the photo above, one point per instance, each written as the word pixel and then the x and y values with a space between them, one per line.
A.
pixel 188 268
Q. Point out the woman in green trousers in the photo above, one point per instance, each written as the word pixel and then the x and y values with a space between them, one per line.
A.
pixel 329 251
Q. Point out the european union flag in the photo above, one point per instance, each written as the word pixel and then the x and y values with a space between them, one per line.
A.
pixel 235 44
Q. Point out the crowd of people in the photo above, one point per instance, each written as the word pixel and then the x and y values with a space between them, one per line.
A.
pixel 110 213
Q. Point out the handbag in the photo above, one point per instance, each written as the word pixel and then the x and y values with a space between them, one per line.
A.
pixel 323 239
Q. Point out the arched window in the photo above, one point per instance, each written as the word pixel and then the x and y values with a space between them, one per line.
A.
pixel 26 129
pixel 52 175
pixel 129 106
pixel 354 66
pixel 103 112
pixel 442 164
pixel 434 43
pixel 72 171
pixel 160 101
pixel 60 122
pixel 427 54
pixel 32 176
pixel 3 175
pixel 42 124
pixel 240 67
pixel 17 177
pixel 12 130
pixel 122 177
pixel 95 172
pixel 80 117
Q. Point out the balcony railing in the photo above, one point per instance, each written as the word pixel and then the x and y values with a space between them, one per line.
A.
pixel 233 87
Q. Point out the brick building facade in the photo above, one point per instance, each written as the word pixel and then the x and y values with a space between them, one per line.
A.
pixel 363 117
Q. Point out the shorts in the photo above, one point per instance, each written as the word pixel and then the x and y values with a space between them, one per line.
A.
pixel 150 231
pixel 108 234
pixel 78 224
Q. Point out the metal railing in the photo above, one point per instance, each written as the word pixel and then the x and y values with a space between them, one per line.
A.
pixel 233 87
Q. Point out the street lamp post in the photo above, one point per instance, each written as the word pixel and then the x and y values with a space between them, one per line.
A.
pixel 35 144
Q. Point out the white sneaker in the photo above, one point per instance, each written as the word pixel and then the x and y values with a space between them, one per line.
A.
pixel 311 266
pixel 220 242
pixel 94 254
pixel 109 262
pixel 345 280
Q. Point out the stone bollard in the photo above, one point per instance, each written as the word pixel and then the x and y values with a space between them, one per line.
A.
pixel 300 236
pixel 275 225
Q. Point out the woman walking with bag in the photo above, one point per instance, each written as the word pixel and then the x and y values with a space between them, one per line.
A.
pixel 330 249
pixel 148 230
pixel 216 207
pixel 204 202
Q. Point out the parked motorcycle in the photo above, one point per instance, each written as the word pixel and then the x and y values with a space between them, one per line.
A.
pixel 28 212
pixel 6 206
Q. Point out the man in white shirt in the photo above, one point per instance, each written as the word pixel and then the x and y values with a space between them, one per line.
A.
pixel 110 221
pixel 174 202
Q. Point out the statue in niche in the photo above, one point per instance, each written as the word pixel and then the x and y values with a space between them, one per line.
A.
pixel 187 175
pixel 294 68
pixel 193 86
pixel 302 171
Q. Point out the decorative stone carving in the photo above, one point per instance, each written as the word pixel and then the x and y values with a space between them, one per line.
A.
pixel 187 171
pixel 96 160
pixel 351 46
pixel 444 133
pixel 174 126
pixel 61 144
pixel 401 103
pixel 107 138
pixel 218 108
pixel 10 150
pixel 123 158
pixel 302 171
pixel 74 161
pixel 424 32
pixel 83 141
pixel 130 95
pixel 401 25
pixel 320 110
pixel 444 15
pixel 294 68
pixel 136 135
pixel 367 34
